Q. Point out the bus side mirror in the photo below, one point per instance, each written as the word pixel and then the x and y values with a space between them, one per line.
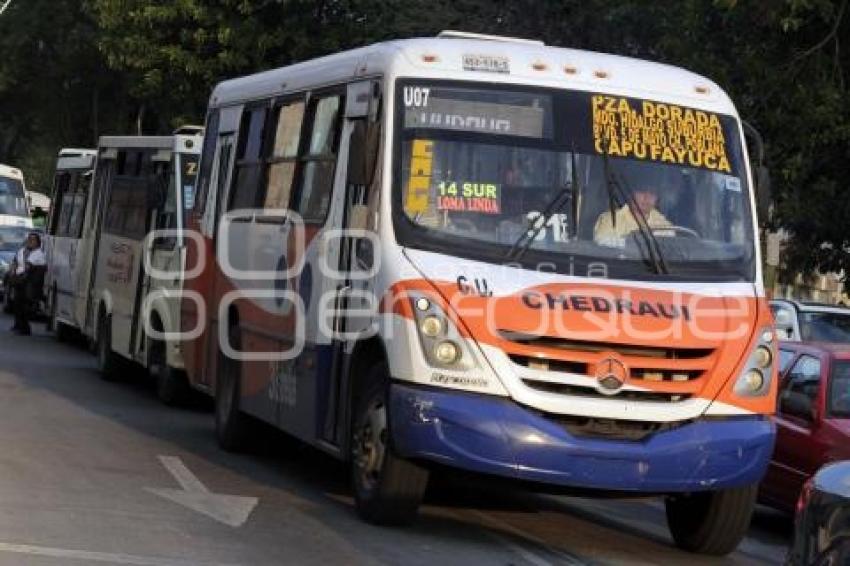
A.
pixel 760 170
pixel 763 192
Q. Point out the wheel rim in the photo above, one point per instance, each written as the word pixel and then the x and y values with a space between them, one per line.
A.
pixel 370 444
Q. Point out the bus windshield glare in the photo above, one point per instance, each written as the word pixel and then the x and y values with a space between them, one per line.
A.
pixel 482 168
pixel 12 198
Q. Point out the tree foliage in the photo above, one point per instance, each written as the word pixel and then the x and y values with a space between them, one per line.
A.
pixel 69 73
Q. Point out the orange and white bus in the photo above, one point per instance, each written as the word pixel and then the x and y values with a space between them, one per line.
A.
pixel 489 254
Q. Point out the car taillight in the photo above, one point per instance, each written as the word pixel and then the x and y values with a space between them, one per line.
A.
pixel 803 500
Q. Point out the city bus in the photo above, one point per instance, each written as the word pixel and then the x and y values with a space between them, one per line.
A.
pixel 120 300
pixel 14 210
pixel 483 253
pixel 72 183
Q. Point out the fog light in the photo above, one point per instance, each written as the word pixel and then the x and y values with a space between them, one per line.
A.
pixel 447 352
pixel 431 326
pixel 753 381
pixel 762 357
pixel 423 304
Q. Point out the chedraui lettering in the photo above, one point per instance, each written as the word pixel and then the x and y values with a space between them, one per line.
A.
pixel 587 303
pixel 655 131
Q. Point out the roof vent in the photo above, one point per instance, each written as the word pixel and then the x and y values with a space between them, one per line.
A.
pixel 189 130
pixel 451 34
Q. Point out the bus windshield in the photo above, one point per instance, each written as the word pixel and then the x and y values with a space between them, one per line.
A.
pixel 12 198
pixel 595 179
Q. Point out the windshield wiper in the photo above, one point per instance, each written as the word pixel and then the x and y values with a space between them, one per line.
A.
pixel 653 253
pixel 528 235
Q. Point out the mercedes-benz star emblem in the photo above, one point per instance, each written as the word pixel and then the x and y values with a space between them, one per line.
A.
pixel 611 375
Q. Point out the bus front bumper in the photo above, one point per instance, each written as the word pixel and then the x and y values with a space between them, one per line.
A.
pixel 494 435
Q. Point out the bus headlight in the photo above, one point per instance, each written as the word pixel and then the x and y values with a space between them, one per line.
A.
pixel 762 357
pixel 754 380
pixel 431 326
pixel 447 352
pixel 441 342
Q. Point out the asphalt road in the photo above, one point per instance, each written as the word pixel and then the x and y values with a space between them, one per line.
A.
pixel 100 473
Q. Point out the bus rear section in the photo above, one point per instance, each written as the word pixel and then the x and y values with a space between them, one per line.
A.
pixel 145 185
pixel 72 192
pixel 14 210
pixel 430 252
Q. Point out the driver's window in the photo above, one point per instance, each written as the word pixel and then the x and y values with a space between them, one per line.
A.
pixel 800 390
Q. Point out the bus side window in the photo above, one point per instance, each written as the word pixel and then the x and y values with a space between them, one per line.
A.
pixel 320 160
pixel 207 157
pixel 280 172
pixel 249 166
pixel 60 187
pixel 67 206
pixel 75 224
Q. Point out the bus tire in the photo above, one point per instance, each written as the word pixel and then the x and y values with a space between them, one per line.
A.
pixel 59 329
pixel 230 422
pixel 171 385
pixel 108 361
pixel 711 522
pixel 387 488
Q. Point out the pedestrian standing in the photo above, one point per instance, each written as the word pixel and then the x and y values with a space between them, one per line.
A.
pixel 29 267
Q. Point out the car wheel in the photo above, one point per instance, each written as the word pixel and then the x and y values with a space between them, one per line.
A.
pixel 712 522
pixel 230 422
pixel 387 488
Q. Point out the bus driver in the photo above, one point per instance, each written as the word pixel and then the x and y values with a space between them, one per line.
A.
pixel 612 229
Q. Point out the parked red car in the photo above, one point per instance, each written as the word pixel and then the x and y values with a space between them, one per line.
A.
pixel 812 418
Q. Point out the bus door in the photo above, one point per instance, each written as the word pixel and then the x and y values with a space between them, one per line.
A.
pixel 349 251
pixel 163 251
pixel 209 283
pixel 86 266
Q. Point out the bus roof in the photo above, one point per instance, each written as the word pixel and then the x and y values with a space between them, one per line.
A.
pixel 12 172
pixel 76 152
pixel 452 55
pixel 73 158
pixel 178 143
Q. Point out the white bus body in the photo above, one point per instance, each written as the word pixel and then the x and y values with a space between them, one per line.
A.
pixel 144 184
pixel 72 185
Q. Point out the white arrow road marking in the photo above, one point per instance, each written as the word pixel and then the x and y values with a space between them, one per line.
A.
pixel 231 510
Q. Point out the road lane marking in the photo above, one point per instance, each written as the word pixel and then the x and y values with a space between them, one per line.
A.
pixel 109 557
pixel 232 510
pixel 534 558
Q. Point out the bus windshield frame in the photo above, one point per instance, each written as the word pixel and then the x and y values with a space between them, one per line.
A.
pixel 557 130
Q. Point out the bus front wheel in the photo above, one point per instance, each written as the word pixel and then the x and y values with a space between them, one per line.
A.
pixel 712 522
pixel 387 488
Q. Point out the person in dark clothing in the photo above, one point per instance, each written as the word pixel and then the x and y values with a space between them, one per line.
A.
pixel 28 280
